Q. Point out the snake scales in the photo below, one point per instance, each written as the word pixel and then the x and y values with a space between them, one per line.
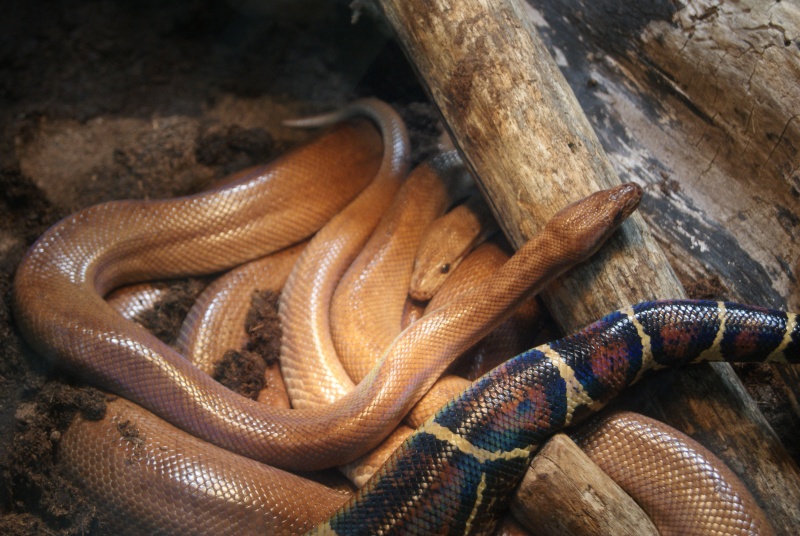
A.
pixel 462 465
pixel 458 467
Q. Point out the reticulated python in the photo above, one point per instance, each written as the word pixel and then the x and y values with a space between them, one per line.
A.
pixel 458 467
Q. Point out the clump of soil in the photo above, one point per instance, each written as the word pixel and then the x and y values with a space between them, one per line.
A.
pixel 43 500
pixel 243 370
pixel 165 319
pixel 263 326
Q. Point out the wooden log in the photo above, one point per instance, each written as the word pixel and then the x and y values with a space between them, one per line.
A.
pixel 700 101
pixel 509 526
pixel 521 131
pixel 523 134
pixel 565 493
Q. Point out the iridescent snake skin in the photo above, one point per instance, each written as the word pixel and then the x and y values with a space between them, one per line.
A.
pixel 462 466
pixel 456 472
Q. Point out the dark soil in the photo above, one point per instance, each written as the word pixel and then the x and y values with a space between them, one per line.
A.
pixel 104 100
pixel 165 319
pixel 242 370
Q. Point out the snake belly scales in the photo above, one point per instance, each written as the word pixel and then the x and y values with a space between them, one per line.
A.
pixel 457 470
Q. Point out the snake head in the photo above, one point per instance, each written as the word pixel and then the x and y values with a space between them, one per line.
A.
pixel 589 222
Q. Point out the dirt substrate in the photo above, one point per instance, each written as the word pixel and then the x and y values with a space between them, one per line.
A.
pixel 111 100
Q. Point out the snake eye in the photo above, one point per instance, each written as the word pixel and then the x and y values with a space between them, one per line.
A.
pixel 445 268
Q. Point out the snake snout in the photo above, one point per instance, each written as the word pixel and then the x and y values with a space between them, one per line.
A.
pixel 604 210
pixel 591 221
pixel 627 196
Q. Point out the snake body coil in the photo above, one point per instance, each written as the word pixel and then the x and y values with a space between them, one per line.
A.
pixel 456 472
pixel 681 485
pixel 461 467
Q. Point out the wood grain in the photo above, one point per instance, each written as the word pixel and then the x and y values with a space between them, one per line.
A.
pixel 565 493
pixel 525 137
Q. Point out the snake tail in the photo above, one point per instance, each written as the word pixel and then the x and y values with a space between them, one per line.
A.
pixel 460 468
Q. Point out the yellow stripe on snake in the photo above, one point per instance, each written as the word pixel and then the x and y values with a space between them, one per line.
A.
pixel 452 475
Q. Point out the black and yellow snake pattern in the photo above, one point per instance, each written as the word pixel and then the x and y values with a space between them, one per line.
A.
pixel 460 468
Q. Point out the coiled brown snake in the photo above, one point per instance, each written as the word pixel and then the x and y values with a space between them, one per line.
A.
pixel 80 259
pixel 183 459
pixel 677 481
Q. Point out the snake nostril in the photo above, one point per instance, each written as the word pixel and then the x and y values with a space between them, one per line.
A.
pixel 445 268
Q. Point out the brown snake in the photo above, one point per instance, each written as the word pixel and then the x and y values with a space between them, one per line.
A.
pixel 60 283
pixel 677 481
pixel 86 255
pixel 367 308
pixel 175 458
pixel 306 298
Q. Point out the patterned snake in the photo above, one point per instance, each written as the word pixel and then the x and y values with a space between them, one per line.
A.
pixel 462 465
pixel 459 466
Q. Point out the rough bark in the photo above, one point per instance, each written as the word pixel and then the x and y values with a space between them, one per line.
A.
pixel 524 135
pixel 562 482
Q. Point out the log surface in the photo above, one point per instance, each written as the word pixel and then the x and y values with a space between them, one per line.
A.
pixel 523 134
pixel 563 481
